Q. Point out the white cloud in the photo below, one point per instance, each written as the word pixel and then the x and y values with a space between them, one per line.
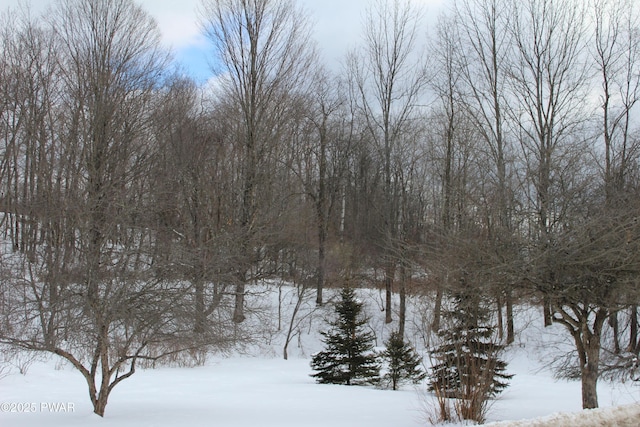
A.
pixel 178 21
pixel 337 25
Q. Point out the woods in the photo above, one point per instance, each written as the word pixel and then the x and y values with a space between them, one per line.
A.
pixel 496 154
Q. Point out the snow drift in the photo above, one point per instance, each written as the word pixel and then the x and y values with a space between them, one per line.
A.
pixel 620 416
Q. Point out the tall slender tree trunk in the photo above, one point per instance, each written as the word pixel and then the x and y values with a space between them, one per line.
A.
pixel 437 308
pixel 547 310
pixel 390 227
pixel 322 268
pixel 402 314
pixel 634 343
pixel 200 315
pixel 499 315
pixel 389 272
pixel 248 204
pixel 321 215
pixel 511 337
pixel 615 326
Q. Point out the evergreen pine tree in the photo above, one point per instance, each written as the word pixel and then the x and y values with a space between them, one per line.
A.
pixel 348 357
pixel 467 363
pixel 403 362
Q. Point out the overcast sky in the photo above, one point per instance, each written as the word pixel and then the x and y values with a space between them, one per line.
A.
pixel 337 25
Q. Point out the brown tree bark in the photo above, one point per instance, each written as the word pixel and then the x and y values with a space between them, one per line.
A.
pixel 587 335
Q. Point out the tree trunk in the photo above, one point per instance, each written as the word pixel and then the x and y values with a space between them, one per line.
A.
pixel 588 344
pixel 321 214
pixel 389 272
pixel 100 404
pixel 200 314
pixel 499 314
pixel 589 374
pixel 437 310
pixel 238 308
pixel 511 336
pixel 322 263
pixel 280 308
pixel 634 343
pixel 291 329
pixel 615 326
pixel 402 315
pixel 547 310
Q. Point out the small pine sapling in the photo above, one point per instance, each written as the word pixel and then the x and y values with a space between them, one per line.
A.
pixel 403 362
pixel 348 357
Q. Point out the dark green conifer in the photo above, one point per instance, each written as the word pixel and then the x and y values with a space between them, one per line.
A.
pixel 403 362
pixel 348 357
pixel 467 362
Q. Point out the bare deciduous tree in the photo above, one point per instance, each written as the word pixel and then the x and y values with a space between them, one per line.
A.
pixel 389 77
pixel 548 78
pixel 264 51
pixel 578 252
pixel 616 52
pixel 193 174
pixel 484 47
pixel 329 156
pixel 617 56
pixel 89 292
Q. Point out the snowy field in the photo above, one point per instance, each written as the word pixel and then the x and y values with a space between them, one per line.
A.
pixel 262 389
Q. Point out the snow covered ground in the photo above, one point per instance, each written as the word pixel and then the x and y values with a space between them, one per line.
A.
pixel 264 390
pixel 618 416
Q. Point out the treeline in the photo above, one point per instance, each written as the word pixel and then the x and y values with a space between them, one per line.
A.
pixel 497 156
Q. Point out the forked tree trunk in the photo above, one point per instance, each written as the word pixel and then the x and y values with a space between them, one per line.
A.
pixel 100 368
pixel 587 337
pixel 100 404
pixel 589 372
pixel 292 322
